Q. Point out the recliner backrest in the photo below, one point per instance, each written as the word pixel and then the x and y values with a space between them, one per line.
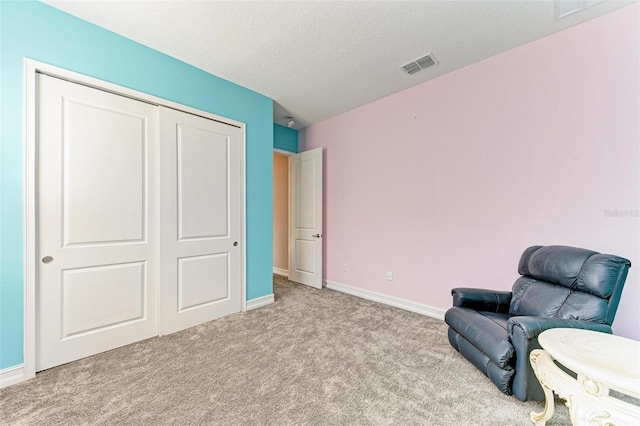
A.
pixel 569 283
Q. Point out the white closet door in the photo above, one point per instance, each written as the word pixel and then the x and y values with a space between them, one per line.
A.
pixel 201 166
pixel 97 221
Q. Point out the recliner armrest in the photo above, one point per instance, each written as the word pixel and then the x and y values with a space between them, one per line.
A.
pixel 531 327
pixel 523 333
pixel 482 300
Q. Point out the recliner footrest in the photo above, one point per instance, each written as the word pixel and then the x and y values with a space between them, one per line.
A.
pixel 487 332
pixel 501 378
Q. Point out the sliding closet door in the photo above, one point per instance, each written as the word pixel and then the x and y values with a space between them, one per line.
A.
pixel 201 178
pixel 97 216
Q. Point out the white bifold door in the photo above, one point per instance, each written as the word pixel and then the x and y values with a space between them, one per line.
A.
pixel 138 221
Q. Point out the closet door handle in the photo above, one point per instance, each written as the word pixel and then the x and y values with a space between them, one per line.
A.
pixel 317 235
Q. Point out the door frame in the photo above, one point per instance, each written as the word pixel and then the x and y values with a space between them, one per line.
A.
pixel 287 154
pixel 31 68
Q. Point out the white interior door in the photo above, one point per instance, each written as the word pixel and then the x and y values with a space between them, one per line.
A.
pixel 305 233
pixel 201 178
pixel 96 221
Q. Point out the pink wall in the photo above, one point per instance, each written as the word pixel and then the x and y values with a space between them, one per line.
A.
pixel 280 211
pixel 445 184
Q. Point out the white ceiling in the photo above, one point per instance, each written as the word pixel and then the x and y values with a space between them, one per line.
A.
pixel 319 59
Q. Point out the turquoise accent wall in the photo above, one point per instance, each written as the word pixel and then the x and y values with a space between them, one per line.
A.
pixel 37 31
pixel 285 138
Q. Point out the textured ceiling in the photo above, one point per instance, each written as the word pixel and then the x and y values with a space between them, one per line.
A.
pixel 319 59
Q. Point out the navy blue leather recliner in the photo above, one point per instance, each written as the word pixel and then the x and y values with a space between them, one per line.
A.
pixel 560 287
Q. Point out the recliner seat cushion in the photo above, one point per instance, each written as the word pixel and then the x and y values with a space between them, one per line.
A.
pixel 487 331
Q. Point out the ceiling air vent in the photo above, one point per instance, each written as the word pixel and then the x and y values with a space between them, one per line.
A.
pixel 420 64
pixel 564 8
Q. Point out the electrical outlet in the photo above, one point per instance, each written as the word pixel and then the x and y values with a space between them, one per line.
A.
pixel 345 268
pixel 389 276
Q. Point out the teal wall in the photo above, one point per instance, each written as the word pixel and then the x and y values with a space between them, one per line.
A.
pixel 285 138
pixel 40 32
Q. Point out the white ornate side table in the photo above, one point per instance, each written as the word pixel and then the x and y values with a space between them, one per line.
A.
pixel 602 362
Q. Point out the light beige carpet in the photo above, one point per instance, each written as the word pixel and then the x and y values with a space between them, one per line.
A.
pixel 314 357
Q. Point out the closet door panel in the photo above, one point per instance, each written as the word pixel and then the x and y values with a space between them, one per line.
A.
pixel 97 216
pixel 201 171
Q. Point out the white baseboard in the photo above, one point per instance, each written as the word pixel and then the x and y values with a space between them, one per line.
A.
pixel 11 376
pixel 407 305
pixel 259 302
pixel 280 271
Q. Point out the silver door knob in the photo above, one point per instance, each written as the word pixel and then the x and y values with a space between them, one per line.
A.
pixel 47 259
pixel 317 235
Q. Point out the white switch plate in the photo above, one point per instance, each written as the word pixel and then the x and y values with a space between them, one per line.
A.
pixel 389 276
pixel 345 268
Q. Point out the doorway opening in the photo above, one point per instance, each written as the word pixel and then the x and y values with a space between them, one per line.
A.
pixel 281 213
pixel 298 234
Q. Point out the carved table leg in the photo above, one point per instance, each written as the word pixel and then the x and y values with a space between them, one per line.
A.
pixel 540 419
